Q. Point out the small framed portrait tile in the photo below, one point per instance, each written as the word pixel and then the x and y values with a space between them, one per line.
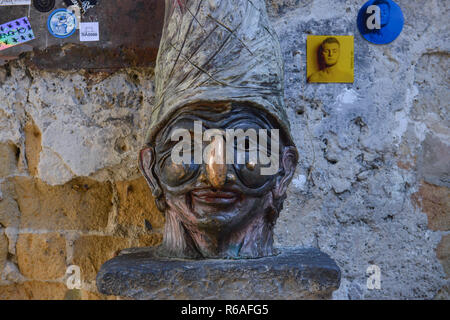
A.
pixel 330 59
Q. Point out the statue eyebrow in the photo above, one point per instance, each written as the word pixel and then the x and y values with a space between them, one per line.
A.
pixel 166 134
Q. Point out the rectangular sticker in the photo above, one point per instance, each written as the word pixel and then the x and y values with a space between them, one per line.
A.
pixel 89 31
pixel 330 59
pixel 14 2
pixel 15 32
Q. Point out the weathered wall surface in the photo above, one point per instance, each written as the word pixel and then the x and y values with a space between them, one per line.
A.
pixel 371 186
pixel 372 182
pixel 70 189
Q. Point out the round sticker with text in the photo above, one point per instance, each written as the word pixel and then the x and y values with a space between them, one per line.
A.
pixel 380 21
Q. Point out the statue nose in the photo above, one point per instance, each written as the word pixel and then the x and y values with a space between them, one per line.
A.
pixel 216 168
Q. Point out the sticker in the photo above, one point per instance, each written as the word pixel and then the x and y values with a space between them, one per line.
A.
pixel 44 5
pixel 15 32
pixel 14 2
pixel 89 31
pixel 83 4
pixel 77 12
pixel 330 59
pixel 380 21
pixel 62 23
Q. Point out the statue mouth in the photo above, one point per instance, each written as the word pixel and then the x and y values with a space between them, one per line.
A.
pixel 215 197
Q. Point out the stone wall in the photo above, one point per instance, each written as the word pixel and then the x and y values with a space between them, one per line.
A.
pixel 70 189
pixel 371 185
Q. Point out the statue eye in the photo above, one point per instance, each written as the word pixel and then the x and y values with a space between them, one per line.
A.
pixel 250 175
pixel 247 145
pixel 177 174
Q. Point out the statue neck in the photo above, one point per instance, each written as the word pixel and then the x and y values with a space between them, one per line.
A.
pixel 253 240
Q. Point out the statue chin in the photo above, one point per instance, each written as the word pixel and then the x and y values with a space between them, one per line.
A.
pixel 217 224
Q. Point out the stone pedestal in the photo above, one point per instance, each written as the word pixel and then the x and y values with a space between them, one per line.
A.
pixel 295 273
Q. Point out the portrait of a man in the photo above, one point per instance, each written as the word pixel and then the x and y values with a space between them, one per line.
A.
pixel 330 59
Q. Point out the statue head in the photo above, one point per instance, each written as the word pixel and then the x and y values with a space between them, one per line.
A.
pixel 219 155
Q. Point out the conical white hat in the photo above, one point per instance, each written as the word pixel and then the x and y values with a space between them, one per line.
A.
pixel 218 51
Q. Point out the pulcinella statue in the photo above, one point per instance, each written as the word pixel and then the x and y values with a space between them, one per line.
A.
pixel 218 158
pixel 220 70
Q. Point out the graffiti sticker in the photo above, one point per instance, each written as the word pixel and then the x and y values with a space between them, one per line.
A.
pixel 44 5
pixel 62 23
pixel 84 5
pixel 89 31
pixel 15 32
pixel 14 2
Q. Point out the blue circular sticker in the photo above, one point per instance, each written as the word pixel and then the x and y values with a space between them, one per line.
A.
pixel 380 21
pixel 62 23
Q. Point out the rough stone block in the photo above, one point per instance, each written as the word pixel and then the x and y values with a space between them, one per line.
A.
pixel 434 166
pixel 73 294
pixel 41 256
pixel 137 205
pixel 435 202
pixel 3 250
pixel 443 293
pixel 9 211
pixel 90 252
pixel 81 204
pixel 293 274
pixel 8 159
pixel 148 240
pixel 443 253
pixel 88 295
pixel 33 290
pixel 33 147
pixel 431 107
pixel 77 294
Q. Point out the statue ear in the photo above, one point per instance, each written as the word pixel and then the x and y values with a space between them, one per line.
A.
pixel 146 164
pixel 289 160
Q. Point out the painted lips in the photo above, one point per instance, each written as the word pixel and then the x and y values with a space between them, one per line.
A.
pixel 210 196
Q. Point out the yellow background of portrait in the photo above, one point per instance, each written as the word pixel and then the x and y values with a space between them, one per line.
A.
pixel 346 59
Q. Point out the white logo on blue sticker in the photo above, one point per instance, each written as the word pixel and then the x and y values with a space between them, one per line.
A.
pixel 380 21
pixel 62 23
